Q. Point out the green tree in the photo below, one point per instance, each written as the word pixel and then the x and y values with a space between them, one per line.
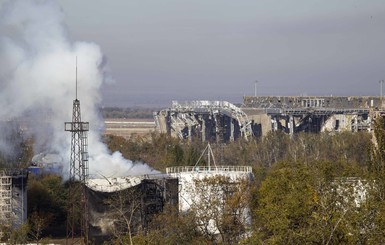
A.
pixel 37 224
pixel 47 199
pixel 376 194
pixel 221 206
pixel 319 203
pixel 19 235
pixel 285 204
pixel 125 206
pixel 171 227
pixel 376 162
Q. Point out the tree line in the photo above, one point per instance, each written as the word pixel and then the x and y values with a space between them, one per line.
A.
pixel 304 190
pixel 161 151
pixel 118 112
pixel 308 188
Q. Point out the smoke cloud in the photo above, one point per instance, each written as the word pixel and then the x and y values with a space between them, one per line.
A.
pixel 37 80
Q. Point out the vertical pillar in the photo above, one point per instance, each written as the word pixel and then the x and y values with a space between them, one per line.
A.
pixel 217 129
pixel 189 132
pixel 355 126
pixel 203 129
pixel 231 129
pixel 291 125
pixel 274 124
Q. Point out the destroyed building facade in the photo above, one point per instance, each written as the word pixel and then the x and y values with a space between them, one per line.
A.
pixel 216 121
pixel 294 114
pixel 222 121
pixel 13 197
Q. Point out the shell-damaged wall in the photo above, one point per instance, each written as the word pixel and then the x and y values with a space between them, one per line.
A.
pixel 347 102
pixel 140 202
pixel 218 121
pixel 13 197
pixel 314 114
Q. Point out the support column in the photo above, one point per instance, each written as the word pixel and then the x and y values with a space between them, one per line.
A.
pixel 274 124
pixel 231 130
pixel 291 125
pixel 322 123
pixel 355 126
pixel 203 129
pixel 217 128
pixel 189 132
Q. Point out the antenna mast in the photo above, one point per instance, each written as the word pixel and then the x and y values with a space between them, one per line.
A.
pixel 76 93
pixel 78 198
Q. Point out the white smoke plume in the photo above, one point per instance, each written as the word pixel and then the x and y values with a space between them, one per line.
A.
pixel 37 79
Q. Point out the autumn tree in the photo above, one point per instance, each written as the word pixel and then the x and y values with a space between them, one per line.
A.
pixel 319 203
pixel 125 212
pixel 285 204
pixel 47 205
pixel 221 207
pixel 172 227
pixel 376 195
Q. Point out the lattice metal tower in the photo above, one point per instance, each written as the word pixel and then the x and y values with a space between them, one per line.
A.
pixel 78 208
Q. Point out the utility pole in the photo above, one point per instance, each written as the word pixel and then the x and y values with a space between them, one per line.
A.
pixel 255 88
pixel 381 83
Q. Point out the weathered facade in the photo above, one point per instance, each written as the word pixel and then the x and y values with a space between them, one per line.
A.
pixel 222 121
pixel 312 114
pixel 13 197
pixel 215 121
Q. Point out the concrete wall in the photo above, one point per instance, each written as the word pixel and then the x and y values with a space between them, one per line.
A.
pixel 262 124
pixel 13 197
pixel 314 114
pixel 215 121
pixel 339 102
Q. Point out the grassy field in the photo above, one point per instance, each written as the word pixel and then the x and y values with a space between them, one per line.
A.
pixel 127 127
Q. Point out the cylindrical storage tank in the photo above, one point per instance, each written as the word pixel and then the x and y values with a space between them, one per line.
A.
pixel 206 190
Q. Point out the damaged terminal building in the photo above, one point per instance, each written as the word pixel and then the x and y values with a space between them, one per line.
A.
pixel 208 120
pixel 222 121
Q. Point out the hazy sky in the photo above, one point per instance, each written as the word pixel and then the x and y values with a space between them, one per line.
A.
pixel 159 51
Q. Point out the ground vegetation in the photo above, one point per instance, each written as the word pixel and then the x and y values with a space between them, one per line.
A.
pixel 305 186
pixel 130 112
pixel 305 191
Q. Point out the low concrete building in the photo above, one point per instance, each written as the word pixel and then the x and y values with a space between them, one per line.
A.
pixel 13 197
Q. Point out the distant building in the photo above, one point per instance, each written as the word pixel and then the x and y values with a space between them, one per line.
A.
pixel 13 197
pixel 221 121
pixel 43 163
pixel 293 114
pixel 218 121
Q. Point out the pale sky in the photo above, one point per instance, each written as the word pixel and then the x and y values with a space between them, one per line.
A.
pixel 164 50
